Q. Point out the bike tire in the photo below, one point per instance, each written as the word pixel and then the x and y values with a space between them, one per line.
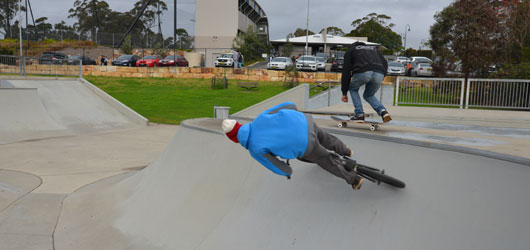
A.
pixel 378 176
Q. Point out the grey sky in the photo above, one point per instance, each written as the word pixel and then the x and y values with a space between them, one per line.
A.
pixel 287 15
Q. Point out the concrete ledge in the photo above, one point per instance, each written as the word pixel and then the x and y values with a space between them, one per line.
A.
pixel 122 108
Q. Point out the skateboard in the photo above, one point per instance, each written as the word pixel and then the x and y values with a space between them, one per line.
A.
pixel 343 122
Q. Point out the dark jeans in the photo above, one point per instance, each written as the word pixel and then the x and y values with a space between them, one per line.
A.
pixel 317 152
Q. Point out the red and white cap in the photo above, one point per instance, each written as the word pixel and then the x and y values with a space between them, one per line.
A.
pixel 230 128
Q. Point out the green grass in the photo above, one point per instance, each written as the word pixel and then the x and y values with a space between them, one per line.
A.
pixel 172 100
pixel 426 96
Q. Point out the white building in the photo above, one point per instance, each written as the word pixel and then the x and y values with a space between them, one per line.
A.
pixel 318 43
pixel 218 22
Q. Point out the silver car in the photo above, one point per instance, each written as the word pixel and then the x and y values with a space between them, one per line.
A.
pixel 307 63
pixel 279 63
pixel 321 63
pixel 395 69
pixel 422 69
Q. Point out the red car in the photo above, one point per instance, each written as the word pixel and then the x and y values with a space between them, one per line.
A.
pixel 148 61
pixel 174 61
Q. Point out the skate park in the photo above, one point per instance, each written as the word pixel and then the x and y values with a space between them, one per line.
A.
pixel 79 170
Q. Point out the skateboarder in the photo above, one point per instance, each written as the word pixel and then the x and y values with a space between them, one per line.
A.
pixel 282 131
pixel 366 65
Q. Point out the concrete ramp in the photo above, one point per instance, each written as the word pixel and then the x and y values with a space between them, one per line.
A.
pixel 36 109
pixel 24 117
pixel 73 105
pixel 205 192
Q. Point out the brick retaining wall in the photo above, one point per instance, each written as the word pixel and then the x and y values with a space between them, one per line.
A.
pixel 177 72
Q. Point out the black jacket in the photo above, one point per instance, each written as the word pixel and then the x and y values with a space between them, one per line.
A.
pixel 361 58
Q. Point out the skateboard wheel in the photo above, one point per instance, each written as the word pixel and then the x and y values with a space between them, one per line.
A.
pixel 339 125
pixel 344 124
pixel 372 128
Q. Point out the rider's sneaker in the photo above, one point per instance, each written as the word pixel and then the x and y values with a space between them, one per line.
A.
pixel 386 116
pixel 357 118
pixel 357 183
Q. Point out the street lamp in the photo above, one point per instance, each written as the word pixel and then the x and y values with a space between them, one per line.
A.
pixel 406 27
pixel 307 29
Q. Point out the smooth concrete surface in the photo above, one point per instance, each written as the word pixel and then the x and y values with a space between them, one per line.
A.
pixel 113 102
pixel 35 176
pixel 44 108
pixel 205 192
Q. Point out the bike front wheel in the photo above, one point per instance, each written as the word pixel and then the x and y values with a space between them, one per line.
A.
pixel 378 176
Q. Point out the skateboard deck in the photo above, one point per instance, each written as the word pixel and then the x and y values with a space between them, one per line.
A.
pixel 343 122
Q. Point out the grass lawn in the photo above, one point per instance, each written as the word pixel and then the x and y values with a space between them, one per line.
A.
pixel 172 100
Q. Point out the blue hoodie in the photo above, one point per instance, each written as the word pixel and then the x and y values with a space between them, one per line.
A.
pixel 279 131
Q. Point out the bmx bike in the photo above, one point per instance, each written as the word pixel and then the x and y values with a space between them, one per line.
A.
pixel 373 174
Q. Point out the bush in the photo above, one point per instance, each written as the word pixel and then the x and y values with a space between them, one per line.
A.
pixel 516 71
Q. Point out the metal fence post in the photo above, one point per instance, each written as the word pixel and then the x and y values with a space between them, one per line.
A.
pixel 80 68
pixel 397 91
pixel 462 93
pixel 467 91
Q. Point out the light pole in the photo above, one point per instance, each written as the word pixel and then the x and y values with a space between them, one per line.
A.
pixel 406 27
pixel 307 29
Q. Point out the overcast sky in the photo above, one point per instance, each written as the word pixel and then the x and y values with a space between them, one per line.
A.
pixel 287 15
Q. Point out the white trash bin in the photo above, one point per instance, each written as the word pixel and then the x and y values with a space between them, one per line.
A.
pixel 220 112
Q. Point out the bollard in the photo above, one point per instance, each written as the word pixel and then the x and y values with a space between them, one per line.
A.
pixel 220 112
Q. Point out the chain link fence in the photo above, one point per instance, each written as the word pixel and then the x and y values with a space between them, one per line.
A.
pixel 23 66
pixel 146 40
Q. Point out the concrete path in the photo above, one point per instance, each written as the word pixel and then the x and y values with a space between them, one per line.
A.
pixel 36 176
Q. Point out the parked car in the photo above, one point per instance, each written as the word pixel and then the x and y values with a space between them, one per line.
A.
pixel 401 59
pixel 225 60
pixel 307 63
pixel 395 69
pixel 172 60
pixel 422 69
pixel 52 58
pixel 421 59
pixel 126 60
pixel 323 55
pixel 74 60
pixel 337 65
pixel 280 63
pixel 148 61
pixel 321 64
pixel 338 61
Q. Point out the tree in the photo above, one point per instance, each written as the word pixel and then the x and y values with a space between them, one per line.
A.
pixel 300 32
pixel 515 15
pixel 148 18
pixel 8 10
pixel 64 31
pixel 335 31
pixel 375 28
pixel 126 48
pixel 251 45
pixel 468 31
pixel 90 15
pixel 44 29
pixel 287 48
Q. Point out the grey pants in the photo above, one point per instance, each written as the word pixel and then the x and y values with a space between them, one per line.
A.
pixel 317 151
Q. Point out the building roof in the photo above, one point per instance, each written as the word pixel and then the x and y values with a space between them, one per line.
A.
pixel 319 39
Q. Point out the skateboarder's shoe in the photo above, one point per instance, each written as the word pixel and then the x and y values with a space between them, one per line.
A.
pixel 359 118
pixel 386 116
pixel 357 183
